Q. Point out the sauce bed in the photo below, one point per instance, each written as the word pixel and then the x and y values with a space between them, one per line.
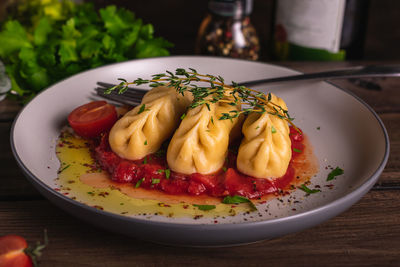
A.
pixel 82 179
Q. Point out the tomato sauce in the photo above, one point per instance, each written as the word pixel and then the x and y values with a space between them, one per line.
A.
pixel 152 173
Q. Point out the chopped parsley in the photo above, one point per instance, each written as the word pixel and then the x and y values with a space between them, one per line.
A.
pixel 63 169
pixel 142 108
pixel 336 172
pixel 137 185
pixel 204 207
pixel 167 173
pixel 155 181
pixel 297 150
pixel 308 190
pixel 273 130
pixel 237 200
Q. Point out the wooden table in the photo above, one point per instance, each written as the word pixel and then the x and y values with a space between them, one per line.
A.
pixel 366 234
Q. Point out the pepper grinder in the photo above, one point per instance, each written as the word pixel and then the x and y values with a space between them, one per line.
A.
pixel 227 30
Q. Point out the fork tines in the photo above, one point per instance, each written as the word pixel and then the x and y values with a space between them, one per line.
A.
pixel 109 85
pixel 132 96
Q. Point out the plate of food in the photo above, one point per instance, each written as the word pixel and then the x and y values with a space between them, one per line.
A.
pixel 201 160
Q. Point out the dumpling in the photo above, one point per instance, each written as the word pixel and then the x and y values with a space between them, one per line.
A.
pixel 142 130
pixel 265 150
pixel 201 142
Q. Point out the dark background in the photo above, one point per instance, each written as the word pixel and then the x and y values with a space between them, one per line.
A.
pixel 178 21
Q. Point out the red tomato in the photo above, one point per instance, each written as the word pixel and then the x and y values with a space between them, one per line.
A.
pixel 125 172
pixel 12 252
pixel 196 188
pixel 92 119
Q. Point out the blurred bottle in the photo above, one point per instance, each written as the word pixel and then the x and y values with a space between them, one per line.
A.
pixel 227 30
pixel 320 29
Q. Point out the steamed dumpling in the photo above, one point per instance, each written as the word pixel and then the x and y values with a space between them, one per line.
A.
pixel 142 130
pixel 265 150
pixel 201 142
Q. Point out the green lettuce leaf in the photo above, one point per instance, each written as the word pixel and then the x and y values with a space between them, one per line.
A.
pixel 116 21
pixel 152 48
pixel 42 42
pixel 13 38
pixel 41 31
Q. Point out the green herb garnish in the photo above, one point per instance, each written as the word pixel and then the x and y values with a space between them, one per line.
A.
pixel 308 190
pixel 336 172
pixel 205 207
pixel 137 185
pixel 237 200
pixel 142 108
pixel 297 150
pixel 273 130
pixel 43 42
pixel 167 173
pixel 155 181
pixel 187 81
pixel 145 143
pixel 63 169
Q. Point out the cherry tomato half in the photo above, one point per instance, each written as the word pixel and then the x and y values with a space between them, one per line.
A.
pixel 92 119
pixel 12 252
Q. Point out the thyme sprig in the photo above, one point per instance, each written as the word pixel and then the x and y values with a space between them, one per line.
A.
pixel 215 90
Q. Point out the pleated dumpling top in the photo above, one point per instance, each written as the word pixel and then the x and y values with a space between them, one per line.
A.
pixel 142 130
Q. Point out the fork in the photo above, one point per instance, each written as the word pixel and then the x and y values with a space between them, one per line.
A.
pixel 133 96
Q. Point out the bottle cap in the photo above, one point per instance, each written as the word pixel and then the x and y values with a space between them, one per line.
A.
pixel 231 8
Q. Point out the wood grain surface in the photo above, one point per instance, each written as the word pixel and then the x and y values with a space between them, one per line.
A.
pixel 368 234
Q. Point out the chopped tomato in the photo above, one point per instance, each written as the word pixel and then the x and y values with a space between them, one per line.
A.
pixel 296 135
pixel 212 183
pixel 196 188
pixel 238 184
pixel 105 156
pixel 125 172
pixel 243 185
pixel 151 173
pixel 175 186
pixel 92 119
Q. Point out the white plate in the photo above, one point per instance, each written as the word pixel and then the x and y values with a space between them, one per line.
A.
pixel 343 130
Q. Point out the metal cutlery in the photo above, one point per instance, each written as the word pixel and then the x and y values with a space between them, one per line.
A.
pixel 133 95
